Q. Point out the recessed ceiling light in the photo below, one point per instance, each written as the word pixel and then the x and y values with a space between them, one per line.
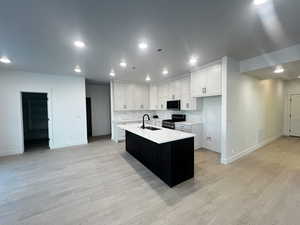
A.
pixel 77 69
pixel 79 44
pixel 193 60
pixel 5 60
pixel 165 71
pixel 112 73
pixel 123 64
pixel 143 45
pixel 279 69
pixel 259 2
pixel 148 78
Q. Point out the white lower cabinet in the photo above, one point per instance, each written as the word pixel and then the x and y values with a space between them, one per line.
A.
pixel 120 134
pixel 194 128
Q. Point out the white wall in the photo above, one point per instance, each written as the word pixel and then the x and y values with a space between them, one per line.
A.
pixel 100 98
pixel 66 108
pixel 254 112
pixel 291 87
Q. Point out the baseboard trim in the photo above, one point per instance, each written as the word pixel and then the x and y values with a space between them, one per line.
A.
pixel 9 153
pixel 249 150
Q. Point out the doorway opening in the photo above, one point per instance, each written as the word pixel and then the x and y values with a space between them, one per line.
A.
pixel 35 121
pixel 89 117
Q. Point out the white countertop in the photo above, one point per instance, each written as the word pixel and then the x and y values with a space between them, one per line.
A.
pixel 158 136
pixel 189 123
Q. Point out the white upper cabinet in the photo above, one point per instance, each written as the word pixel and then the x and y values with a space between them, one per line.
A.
pixel 174 92
pixel 130 96
pixel 120 96
pixel 143 92
pixel 187 102
pixel 207 82
pixel 163 92
pixel 153 97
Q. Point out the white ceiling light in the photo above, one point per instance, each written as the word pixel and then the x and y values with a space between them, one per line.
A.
pixel 148 78
pixel 77 69
pixel 279 69
pixel 112 73
pixel 143 45
pixel 259 2
pixel 193 60
pixel 79 44
pixel 299 77
pixel 5 60
pixel 123 64
pixel 165 71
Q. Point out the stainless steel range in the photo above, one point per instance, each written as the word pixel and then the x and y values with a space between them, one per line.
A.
pixel 170 124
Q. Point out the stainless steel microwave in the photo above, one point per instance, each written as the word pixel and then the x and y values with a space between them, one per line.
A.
pixel 173 105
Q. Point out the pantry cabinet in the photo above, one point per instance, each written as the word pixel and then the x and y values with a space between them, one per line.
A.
pixel 207 82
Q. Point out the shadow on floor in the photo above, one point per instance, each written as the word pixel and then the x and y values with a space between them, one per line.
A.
pixel 170 196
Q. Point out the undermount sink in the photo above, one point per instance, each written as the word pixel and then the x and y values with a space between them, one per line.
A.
pixel 152 128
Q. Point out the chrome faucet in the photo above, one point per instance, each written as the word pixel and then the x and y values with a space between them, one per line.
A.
pixel 143 126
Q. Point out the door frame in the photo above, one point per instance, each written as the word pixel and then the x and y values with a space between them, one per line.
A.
pixel 50 117
pixel 290 110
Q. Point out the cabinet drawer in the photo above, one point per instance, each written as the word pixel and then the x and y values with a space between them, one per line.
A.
pixel 184 128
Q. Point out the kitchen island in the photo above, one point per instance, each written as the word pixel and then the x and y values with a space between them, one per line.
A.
pixel 167 153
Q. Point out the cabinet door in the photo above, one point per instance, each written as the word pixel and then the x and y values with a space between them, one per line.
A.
pixel 214 81
pixel 120 95
pixel 174 90
pixel 144 104
pixel 187 102
pixel 198 83
pixel 162 96
pixel 197 130
pixel 153 97
pixel 133 97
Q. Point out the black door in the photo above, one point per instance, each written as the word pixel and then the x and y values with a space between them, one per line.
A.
pixel 89 116
pixel 35 120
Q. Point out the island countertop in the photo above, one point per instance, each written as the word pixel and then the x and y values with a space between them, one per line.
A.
pixel 161 136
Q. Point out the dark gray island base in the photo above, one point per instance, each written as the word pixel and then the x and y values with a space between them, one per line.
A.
pixel 172 162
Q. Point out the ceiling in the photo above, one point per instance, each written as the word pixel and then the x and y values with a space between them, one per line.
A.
pixel 38 35
pixel 291 71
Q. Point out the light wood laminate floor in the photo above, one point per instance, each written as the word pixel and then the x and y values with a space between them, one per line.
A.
pixel 101 184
